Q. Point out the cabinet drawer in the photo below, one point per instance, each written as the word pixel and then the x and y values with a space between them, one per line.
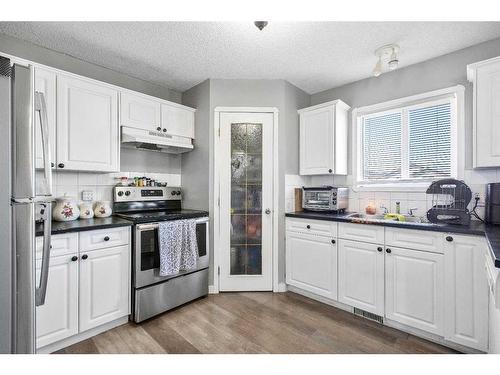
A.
pixel 317 227
pixel 361 232
pixel 415 239
pixel 103 238
pixel 62 244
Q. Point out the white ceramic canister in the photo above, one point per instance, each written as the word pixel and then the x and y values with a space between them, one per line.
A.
pixel 86 210
pixel 102 209
pixel 66 209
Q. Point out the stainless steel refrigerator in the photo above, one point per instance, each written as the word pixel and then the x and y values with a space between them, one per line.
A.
pixel 24 190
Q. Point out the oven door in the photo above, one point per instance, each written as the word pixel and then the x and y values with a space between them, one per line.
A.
pixel 147 252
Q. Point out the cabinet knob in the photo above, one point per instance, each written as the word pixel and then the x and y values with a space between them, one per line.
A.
pixel 158 128
pixel 333 241
pixel 60 165
pixel 308 226
pixel 84 256
pixel 388 251
pixel 164 130
pixel 380 249
pixel 74 258
pixel 330 171
pixel 106 238
pixel 52 165
pixel 449 238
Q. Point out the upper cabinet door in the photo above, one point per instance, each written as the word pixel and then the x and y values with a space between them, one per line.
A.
pixel 139 112
pixel 87 125
pixel 45 82
pixel 323 139
pixel 486 115
pixel 177 121
pixel 317 141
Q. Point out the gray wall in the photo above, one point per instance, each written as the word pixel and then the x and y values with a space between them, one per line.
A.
pixel 195 164
pixel 131 160
pixel 438 73
pixel 242 93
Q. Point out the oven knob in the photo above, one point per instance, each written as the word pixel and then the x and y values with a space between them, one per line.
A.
pixel 178 192
pixel 120 193
pixel 173 192
pixel 334 193
pixel 127 193
pixel 334 201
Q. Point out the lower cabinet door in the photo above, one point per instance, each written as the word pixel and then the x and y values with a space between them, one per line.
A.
pixel 361 275
pixel 57 319
pixel 415 289
pixel 104 286
pixel 311 263
pixel 466 307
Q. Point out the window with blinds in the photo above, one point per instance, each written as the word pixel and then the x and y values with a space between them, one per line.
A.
pixel 407 143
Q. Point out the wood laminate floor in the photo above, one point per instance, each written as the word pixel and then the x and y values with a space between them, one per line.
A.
pixel 255 323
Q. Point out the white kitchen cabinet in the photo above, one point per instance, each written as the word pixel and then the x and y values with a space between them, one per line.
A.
pixel 362 232
pixel 414 239
pixel 138 111
pixel 414 288
pixel 87 125
pixel 178 121
pixel 323 138
pixel 308 226
pixel 485 76
pixel 45 82
pixel 466 306
pixel 104 286
pixel 311 263
pixel 361 275
pixel 57 319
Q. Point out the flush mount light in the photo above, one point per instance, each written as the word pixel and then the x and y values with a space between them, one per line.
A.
pixel 386 55
pixel 260 24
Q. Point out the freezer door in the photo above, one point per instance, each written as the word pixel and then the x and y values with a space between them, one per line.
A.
pixel 24 306
pixel 23 133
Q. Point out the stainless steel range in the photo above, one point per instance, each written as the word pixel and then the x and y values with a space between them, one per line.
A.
pixel 153 294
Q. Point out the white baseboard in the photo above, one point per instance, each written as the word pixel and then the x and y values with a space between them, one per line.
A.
pixel 212 289
pixel 282 288
pixel 54 347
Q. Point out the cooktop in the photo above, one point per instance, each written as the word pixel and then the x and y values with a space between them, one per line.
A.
pixel 153 216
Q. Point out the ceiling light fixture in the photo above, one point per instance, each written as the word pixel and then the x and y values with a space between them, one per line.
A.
pixel 386 54
pixel 260 24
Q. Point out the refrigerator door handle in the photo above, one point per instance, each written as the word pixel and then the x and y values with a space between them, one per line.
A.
pixel 41 291
pixel 41 108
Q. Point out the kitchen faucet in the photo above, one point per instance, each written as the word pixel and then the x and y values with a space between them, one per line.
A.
pixel 384 208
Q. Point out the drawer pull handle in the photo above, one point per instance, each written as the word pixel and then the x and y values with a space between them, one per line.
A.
pixel 333 241
pixel 388 251
pixel 308 226
pixel 449 238
pixel 84 256
pixel 74 258
pixel 106 238
pixel 379 249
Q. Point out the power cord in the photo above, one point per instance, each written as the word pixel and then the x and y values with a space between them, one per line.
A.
pixel 474 212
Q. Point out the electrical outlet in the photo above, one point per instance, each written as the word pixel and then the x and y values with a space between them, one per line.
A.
pixel 87 195
pixel 481 197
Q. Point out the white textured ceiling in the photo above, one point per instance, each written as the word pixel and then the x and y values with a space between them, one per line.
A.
pixel 312 55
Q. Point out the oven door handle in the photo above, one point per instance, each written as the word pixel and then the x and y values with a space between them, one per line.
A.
pixel 142 227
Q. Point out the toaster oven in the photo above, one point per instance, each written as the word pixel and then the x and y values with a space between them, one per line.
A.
pixel 325 198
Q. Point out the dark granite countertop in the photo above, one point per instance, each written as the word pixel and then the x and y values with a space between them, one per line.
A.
pixel 491 232
pixel 80 225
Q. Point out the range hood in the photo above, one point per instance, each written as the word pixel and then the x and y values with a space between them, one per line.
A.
pixel 154 141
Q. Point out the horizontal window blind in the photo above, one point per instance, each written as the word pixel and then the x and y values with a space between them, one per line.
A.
pixel 382 147
pixel 407 143
pixel 430 141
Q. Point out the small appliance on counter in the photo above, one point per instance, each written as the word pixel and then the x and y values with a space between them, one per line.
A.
pixel 325 198
pixel 450 199
pixel 492 203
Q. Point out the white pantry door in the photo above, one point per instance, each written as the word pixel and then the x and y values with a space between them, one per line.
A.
pixel 246 201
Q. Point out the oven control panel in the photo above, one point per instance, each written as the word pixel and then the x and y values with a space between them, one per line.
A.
pixel 146 193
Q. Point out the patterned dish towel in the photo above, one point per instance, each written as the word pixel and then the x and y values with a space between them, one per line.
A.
pixel 178 246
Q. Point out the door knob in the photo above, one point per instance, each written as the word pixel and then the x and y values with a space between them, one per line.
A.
pixel 267 211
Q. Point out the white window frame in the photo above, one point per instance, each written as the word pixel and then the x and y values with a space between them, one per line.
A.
pixel 456 93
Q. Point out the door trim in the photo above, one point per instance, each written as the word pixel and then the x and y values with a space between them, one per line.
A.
pixel 216 189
